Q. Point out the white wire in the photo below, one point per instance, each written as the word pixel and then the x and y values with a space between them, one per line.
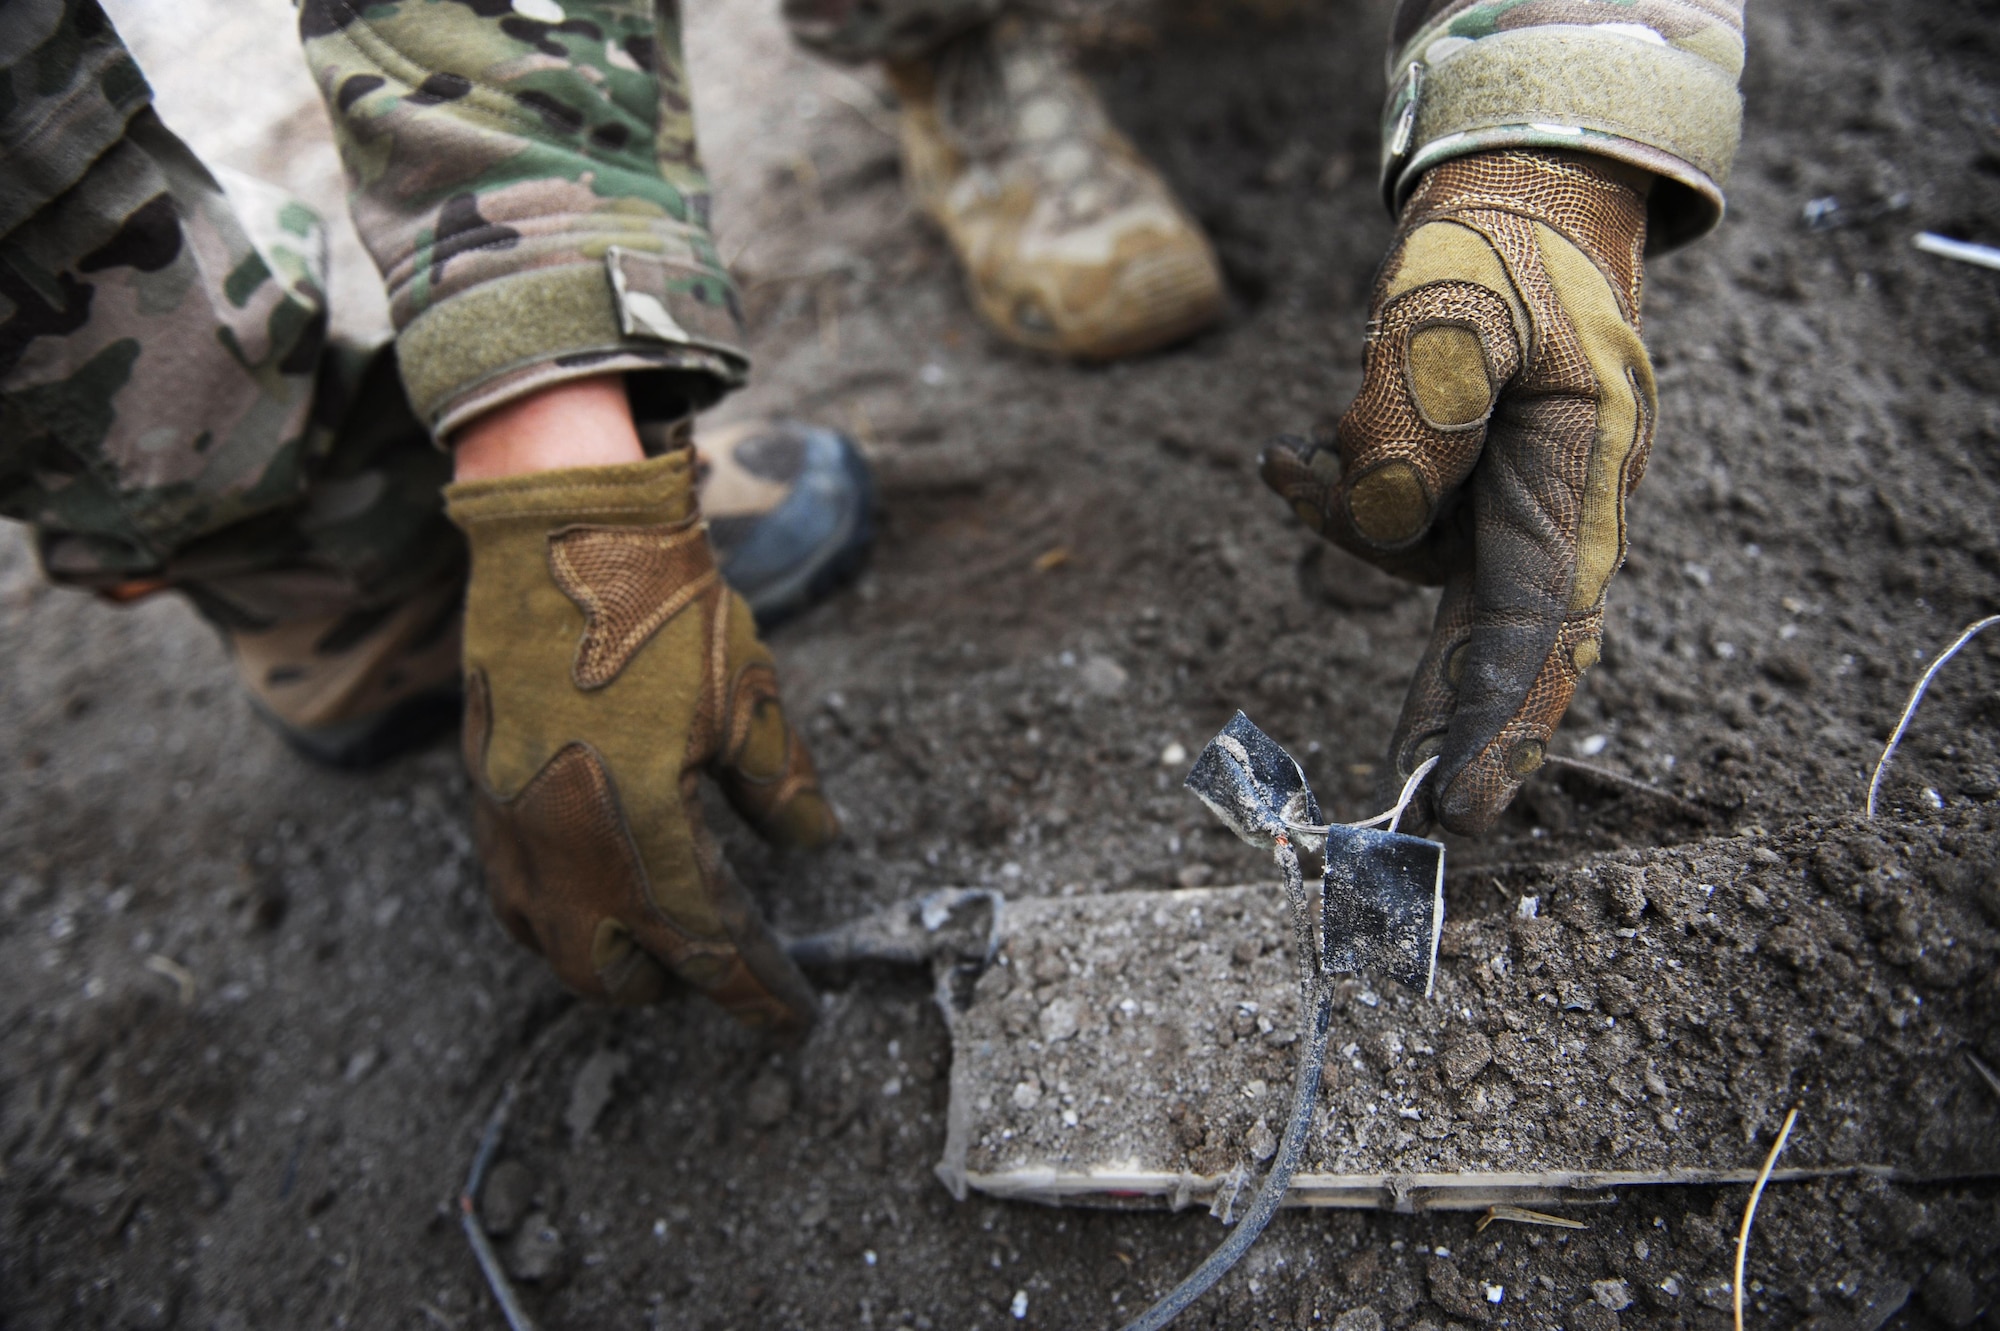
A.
pixel 1410 790
pixel 1917 696
pixel 1393 817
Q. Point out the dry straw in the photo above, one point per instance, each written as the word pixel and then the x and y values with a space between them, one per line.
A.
pixel 1750 1211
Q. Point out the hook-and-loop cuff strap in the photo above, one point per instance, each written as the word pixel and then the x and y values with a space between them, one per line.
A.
pixel 1614 90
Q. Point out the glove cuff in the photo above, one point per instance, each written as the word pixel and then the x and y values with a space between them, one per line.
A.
pixel 655 492
pixel 1571 75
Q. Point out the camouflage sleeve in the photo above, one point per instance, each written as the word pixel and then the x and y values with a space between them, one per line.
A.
pixel 67 89
pixel 526 179
pixel 172 411
pixel 1650 82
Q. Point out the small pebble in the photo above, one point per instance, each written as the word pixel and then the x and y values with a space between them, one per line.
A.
pixel 1104 677
pixel 537 1255
pixel 507 1197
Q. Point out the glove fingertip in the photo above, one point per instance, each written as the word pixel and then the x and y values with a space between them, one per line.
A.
pixel 804 822
pixel 1472 799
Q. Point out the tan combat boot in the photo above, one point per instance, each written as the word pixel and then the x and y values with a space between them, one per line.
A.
pixel 1070 240
pixel 358 688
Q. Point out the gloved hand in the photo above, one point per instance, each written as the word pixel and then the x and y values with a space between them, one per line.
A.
pixel 608 667
pixel 1505 414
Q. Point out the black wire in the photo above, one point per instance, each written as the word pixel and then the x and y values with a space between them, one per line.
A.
pixel 1318 1009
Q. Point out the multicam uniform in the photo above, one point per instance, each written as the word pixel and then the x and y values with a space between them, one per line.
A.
pixel 172 411
pixel 171 408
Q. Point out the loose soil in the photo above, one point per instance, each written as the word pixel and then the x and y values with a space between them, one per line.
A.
pixel 256 1012
pixel 1640 1013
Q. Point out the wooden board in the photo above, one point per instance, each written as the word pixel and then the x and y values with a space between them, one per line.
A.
pixel 1644 1019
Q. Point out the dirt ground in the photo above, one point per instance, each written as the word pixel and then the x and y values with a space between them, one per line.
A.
pixel 255 1013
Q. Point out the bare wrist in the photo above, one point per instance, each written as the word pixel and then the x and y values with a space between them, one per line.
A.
pixel 580 423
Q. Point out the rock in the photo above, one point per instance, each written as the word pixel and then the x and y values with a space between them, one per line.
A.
pixel 1795 946
pixel 769 1100
pixel 1615 1295
pixel 1058 1020
pixel 1628 891
pixel 591 1092
pixel 1027 1095
pixel 1262 1143
pixel 1465 1057
pixel 1360 1269
pixel 1452 1292
pixel 1591 1316
pixel 1949 1295
pixel 1789 668
pixel 1103 676
pixel 506 1198
pixel 1363 1318
pixel 537 1256
pixel 1616 994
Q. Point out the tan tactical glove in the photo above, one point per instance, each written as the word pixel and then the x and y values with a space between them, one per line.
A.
pixel 607 666
pixel 1505 414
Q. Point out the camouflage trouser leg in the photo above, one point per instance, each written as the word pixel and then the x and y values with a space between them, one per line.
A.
pixel 171 410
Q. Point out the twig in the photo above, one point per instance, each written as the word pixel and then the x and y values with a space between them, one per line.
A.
pixel 1991 1078
pixel 437 1316
pixel 1620 781
pixel 489 1145
pixel 1521 1215
pixel 181 977
pixel 475 1233
pixel 1916 697
pixel 1750 1211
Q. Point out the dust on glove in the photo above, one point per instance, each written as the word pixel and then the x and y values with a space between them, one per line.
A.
pixel 1505 415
